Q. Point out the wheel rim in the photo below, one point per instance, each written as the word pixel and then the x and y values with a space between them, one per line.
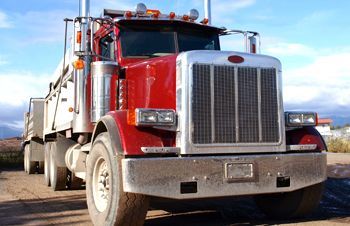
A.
pixel 101 184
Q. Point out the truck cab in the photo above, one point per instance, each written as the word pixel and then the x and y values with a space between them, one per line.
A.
pixel 147 105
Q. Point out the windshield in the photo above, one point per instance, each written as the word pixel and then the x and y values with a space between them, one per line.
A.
pixel 152 43
pixel 147 43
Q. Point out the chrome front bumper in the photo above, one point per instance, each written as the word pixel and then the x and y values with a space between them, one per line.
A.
pixel 213 176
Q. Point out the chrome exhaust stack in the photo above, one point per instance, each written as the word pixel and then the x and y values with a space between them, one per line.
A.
pixel 82 120
pixel 207 10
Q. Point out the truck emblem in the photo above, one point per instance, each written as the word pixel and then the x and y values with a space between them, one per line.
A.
pixel 236 59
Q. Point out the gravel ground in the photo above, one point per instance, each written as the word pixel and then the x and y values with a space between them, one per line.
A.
pixel 25 200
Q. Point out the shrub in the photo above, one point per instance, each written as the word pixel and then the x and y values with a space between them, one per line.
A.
pixel 338 145
pixel 11 156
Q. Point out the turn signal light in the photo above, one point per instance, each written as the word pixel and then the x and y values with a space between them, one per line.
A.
pixel 79 64
pixel 131 117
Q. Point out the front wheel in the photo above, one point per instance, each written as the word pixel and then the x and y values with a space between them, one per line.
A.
pixel 293 204
pixel 108 204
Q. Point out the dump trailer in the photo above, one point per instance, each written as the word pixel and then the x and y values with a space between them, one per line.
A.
pixel 33 143
pixel 146 105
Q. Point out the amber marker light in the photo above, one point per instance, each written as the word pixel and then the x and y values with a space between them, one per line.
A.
pixel 70 109
pixel 79 64
pixel 172 15
pixel 79 37
pixel 205 21
pixel 128 14
pixel 185 17
pixel 131 117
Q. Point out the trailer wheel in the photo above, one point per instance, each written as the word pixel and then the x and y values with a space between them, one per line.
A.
pixel 293 204
pixel 58 175
pixel 47 164
pixel 107 203
pixel 41 167
pixel 74 182
pixel 30 166
pixel 25 157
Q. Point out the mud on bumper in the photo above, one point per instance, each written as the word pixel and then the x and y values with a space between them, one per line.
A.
pixel 204 177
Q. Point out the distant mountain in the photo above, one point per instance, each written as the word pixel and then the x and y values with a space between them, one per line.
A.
pixel 340 120
pixel 7 132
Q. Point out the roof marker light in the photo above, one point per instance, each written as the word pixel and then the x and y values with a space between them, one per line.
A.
pixel 128 14
pixel 205 21
pixel 172 15
pixel 141 9
pixel 193 14
pixel 185 17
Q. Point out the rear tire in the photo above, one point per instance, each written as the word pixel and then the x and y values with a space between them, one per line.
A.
pixel 30 165
pixel 41 167
pixel 58 175
pixel 293 204
pixel 107 203
pixel 47 163
pixel 25 156
pixel 75 182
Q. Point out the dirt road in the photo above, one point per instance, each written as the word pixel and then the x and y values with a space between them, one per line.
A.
pixel 25 200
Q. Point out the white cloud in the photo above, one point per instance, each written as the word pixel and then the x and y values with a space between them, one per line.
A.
pixel 4 21
pixel 16 88
pixel 289 49
pixel 324 84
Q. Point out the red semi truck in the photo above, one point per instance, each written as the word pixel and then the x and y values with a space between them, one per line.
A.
pixel 145 104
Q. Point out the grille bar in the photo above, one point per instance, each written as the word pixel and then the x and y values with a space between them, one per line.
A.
pixel 234 105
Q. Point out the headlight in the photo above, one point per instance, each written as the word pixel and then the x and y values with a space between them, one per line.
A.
pixel 155 117
pixel 301 118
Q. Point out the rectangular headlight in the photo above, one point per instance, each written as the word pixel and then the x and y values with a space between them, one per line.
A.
pixel 155 117
pixel 301 118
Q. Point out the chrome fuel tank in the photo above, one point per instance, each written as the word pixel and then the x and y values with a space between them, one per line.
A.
pixel 103 93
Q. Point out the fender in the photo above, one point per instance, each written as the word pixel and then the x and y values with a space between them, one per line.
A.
pixel 126 139
pixel 306 135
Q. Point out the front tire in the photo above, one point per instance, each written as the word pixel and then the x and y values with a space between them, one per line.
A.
pixel 293 204
pixel 107 203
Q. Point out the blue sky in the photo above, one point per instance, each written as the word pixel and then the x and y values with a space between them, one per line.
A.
pixel 311 38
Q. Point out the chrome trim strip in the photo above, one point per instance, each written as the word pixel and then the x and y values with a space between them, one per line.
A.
pixel 259 102
pixel 212 103
pixel 236 103
pixel 302 147
pixel 161 150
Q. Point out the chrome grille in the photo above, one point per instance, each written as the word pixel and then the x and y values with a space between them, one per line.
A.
pixel 234 105
pixel 201 98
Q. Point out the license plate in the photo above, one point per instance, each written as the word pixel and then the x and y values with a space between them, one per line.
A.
pixel 239 171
